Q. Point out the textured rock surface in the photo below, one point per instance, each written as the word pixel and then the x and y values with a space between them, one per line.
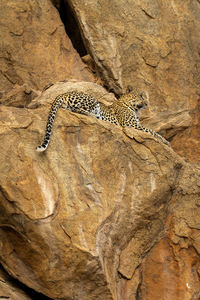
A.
pixel 154 44
pixel 9 290
pixel 19 96
pixel 171 270
pixel 106 213
pixel 85 219
pixel 34 47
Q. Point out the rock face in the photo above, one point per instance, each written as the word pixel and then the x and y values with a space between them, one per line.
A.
pixel 34 47
pixel 9 290
pixel 84 219
pixel 154 44
pixel 105 213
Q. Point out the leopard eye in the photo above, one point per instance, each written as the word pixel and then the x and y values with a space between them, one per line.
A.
pixel 142 95
pixel 139 105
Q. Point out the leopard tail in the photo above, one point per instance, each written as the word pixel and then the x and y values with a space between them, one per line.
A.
pixel 51 118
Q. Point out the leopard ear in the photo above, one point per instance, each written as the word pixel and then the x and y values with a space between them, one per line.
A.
pixel 129 89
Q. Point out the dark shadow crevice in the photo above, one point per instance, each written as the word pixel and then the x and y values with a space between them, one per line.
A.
pixel 20 286
pixel 71 25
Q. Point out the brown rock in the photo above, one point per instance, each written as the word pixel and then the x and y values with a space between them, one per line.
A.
pixel 10 290
pixel 155 45
pixel 34 47
pixel 83 219
pixel 19 96
pixel 170 272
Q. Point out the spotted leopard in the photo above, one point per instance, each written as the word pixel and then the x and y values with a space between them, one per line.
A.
pixel 123 112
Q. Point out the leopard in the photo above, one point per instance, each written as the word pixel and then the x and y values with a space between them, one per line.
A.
pixel 123 112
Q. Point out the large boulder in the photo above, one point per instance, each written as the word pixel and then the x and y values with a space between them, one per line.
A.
pixel 34 47
pixel 88 218
pixel 154 44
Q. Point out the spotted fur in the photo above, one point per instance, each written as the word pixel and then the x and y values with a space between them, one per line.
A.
pixel 122 112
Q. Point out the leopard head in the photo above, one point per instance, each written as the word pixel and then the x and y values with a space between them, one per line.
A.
pixel 135 100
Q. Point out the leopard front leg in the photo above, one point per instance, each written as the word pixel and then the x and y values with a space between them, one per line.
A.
pixel 155 134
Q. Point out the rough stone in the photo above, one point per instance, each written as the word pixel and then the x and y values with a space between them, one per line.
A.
pixel 84 219
pixel 105 213
pixel 9 290
pixel 155 45
pixel 34 47
pixel 171 272
pixel 19 96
